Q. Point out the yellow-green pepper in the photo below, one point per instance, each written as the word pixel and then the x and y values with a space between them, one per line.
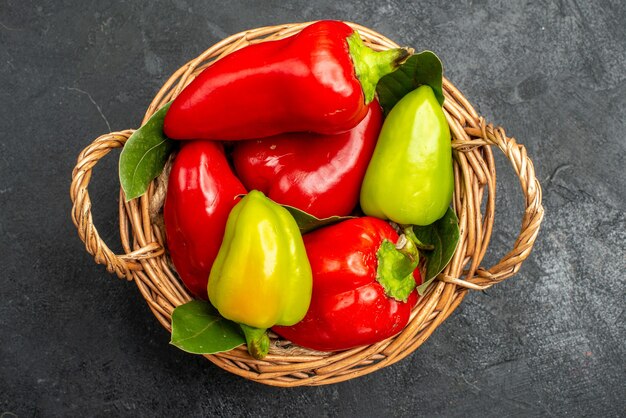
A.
pixel 409 179
pixel 261 276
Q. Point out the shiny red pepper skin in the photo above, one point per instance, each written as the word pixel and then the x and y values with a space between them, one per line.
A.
pixel 303 83
pixel 202 190
pixel 319 174
pixel 349 307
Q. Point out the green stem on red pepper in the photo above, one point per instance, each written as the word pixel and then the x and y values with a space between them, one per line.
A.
pixel 396 263
pixel 370 66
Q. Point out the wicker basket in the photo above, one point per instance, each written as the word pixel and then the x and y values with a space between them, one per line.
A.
pixel 146 262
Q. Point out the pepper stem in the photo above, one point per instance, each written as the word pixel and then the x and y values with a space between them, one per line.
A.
pixel 370 66
pixel 396 263
pixel 408 231
pixel 257 340
pixel 408 247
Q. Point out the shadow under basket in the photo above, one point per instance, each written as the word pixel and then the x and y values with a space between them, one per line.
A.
pixel 146 261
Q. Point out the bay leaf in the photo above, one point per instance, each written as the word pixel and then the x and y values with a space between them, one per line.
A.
pixel 198 328
pixel 307 222
pixel 144 155
pixel 422 68
pixel 443 235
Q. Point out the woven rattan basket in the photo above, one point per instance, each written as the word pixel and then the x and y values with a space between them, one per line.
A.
pixel 146 261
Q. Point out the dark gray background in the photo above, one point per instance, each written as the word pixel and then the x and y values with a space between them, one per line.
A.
pixel 550 342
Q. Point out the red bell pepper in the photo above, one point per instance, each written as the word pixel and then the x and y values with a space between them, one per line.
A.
pixel 319 174
pixel 319 80
pixel 201 192
pixel 363 287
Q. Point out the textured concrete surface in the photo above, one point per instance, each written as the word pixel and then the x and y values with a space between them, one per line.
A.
pixel 550 342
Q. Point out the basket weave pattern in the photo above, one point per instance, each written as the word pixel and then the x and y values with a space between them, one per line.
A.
pixel 146 262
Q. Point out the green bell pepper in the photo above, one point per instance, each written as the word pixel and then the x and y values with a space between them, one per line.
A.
pixel 261 276
pixel 409 179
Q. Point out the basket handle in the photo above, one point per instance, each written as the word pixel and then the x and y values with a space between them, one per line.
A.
pixel 122 265
pixel 510 264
